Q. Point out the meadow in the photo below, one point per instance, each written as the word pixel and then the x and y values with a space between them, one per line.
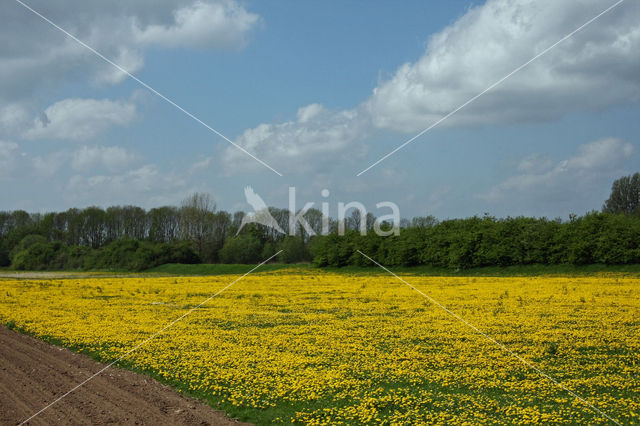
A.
pixel 300 345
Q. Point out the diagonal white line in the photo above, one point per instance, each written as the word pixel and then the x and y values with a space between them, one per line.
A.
pixel 490 87
pixel 148 339
pixel 494 341
pixel 145 85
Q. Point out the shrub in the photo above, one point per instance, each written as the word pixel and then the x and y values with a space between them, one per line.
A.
pixel 293 250
pixel 245 248
pixel 37 257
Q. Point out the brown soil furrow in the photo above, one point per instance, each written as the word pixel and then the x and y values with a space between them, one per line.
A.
pixel 34 373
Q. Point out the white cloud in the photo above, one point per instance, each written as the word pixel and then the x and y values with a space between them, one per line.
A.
pixel 112 158
pixel 45 167
pixel 80 119
pixel 19 166
pixel 201 164
pixel 87 160
pixel 145 185
pixel 308 112
pixel 38 56
pixel 221 25
pixel 128 58
pixel 595 160
pixel 535 163
pixel 7 158
pixel 604 154
pixel 13 119
pixel 316 136
pixel 595 68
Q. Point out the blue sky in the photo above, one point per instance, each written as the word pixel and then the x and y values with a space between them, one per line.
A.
pixel 320 91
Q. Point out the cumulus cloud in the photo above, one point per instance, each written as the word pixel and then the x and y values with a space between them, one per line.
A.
pixel 595 68
pixel 221 25
pixel 316 136
pixel 111 158
pixel 7 157
pixel 598 160
pixel 86 160
pixel 146 183
pixel 47 166
pixel 535 163
pixel 601 155
pixel 13 119
pixel 17 166
pixel 128 58
pixel 80 119
pixel 36 55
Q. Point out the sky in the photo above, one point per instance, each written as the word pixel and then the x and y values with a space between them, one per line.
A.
pixel 318 92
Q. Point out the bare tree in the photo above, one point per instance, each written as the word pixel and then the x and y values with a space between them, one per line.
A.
pixel 164 224
pixel 196 219
pixel 314 219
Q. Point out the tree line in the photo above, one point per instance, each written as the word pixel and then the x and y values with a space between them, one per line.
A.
pixel 132 238
pixel 611 236
pixel 596 237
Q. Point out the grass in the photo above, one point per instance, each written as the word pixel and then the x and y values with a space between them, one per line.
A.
pixel 216 269
pixel 487 271
pixel 179 269
pixel 498 271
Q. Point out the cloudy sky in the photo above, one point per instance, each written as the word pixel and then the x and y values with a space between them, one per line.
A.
pixel 319 91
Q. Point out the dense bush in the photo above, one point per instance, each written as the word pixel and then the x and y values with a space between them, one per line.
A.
pixel 26 243
pixel 37 256
pixel 244 248
pixel 69 258
pixel 131 255
pixel 293 250
pixel 475 242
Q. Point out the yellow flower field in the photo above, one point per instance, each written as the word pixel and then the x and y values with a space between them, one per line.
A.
pixel 324 348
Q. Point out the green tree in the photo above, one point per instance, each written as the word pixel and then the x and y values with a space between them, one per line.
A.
pixel 293 250
pixel 625 196
pixel 245 248
pixel 25 243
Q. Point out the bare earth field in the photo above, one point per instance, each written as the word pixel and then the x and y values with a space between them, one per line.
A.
pixel 34 373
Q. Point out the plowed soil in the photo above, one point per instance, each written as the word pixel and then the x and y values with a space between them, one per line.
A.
pixel 34 373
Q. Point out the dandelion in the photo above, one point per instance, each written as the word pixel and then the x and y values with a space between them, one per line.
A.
pixel 360 349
